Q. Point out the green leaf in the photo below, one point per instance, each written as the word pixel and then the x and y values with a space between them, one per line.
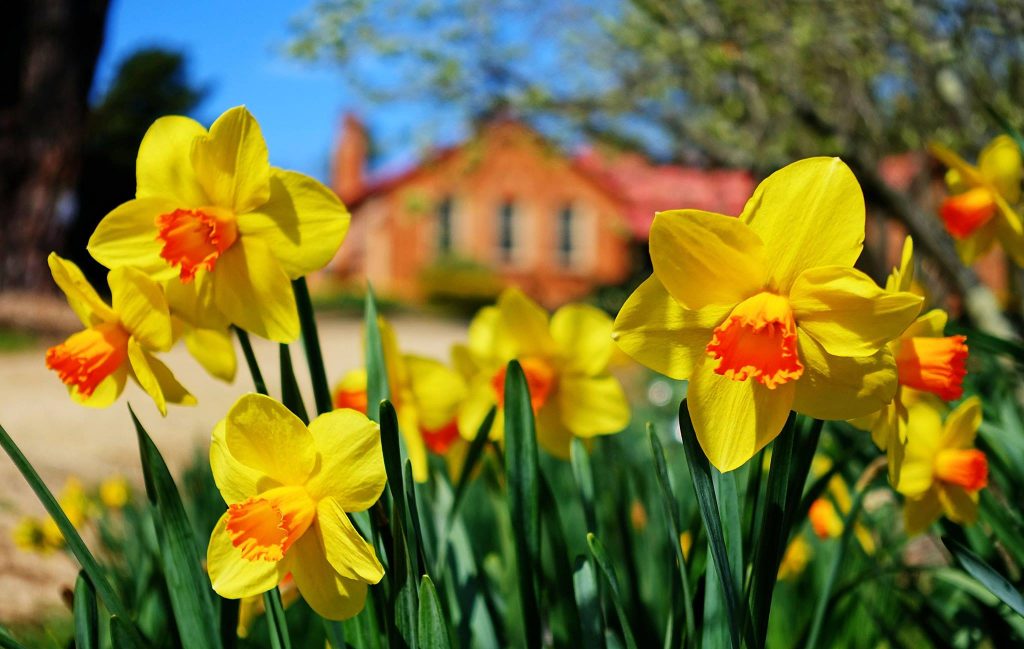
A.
pixel 414 520
pixel 187 585
pixel 122 634
pixel 473 455
pixel 335 632
pixel 311 343
pixel 825 595
pixel 376 370
pixel 522 485
pixel 668 501
pixel 86 613
pixel 562 601
pixel 402 572
pixel 700 474
pixel 290 395
pixel 584 475
pixel 250 359
pixel 597 549
pixel 277 625
pixel 7 641
pixel 433 630
pixel 70 534
pixel 1005 124
pixel 984 573
pixel 588 603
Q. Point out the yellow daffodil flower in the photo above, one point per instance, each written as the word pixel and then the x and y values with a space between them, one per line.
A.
pixel 210 210
pixel 981 207
pixel 426 395
pixel 251 608
pixel 289 488
pixel 795 559
pixel 926 361
pixel 42 536
pixel 118 340
pixel 942 473
pixel 114 492
pixel 565 359
pixel 765 313
pixel 686 543
pixel 205 330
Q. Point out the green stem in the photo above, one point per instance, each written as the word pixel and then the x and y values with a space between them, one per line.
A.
pixel 250 359
pixel 275 618
pixel 311 342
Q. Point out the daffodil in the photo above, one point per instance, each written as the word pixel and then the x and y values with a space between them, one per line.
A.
pixel 981 207
pixel 204 329
pixel 42 536
pixel 250 608
pixel 118 340
pixel 210 210
pixel 426 395
pixel 795 559
pixel 289 489
pixel 114 492
pixel 765 314
pixel 942 473
pixel 926 361
pixel 565 359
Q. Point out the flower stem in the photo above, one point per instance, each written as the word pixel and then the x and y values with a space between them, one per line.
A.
pixel 311 343
pixel 250 359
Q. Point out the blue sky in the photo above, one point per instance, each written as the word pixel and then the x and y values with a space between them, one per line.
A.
pixel 236 49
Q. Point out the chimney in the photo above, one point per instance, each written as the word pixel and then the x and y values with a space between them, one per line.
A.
pixel 348 173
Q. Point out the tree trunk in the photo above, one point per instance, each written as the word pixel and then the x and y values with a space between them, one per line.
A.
pixel 50 48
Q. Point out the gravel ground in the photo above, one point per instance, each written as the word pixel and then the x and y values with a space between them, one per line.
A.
pixel 62 439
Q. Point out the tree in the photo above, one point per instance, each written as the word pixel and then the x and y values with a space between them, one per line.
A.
pixel 717 81
pixel 49 55
pixel 149 84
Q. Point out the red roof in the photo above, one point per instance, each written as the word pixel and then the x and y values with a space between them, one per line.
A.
pixel 646 188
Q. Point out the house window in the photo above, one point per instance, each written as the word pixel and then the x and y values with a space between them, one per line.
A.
pixel 567 244
pixel 507 232
pixel 445 226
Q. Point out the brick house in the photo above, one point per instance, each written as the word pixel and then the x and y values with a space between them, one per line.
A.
pixel 511 204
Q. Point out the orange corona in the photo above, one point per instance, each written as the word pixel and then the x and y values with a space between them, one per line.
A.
pixel 758 340
pixel 87 357
pixel 264 527
pixel 935 365
pixel 195 239
pixel 967 468
pixel 966 212
pixel 540 378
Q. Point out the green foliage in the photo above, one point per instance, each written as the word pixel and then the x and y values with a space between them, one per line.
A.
pixel 459 286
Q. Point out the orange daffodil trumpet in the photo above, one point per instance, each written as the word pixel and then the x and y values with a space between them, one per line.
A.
pixel 210 211
pixel 289 488
pixel 980 209
pixel 926 361
pixel 942 473
pixel 118 340
pixel 765 313
pixel 565 359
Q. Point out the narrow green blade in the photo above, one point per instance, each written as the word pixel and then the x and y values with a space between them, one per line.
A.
pixel 984 573
pixel 597 549
pixel 86 613
pixel 433 630
pixel 376 369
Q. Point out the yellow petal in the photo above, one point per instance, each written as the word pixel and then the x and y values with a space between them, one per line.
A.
pixel 143 373
pixel 235 481
pixel 593 405
pixel 809 213
pixel 253 292
pixel 193 302
pixel 141 306
pixel 265 436
pixel 968 174
pixel 656 331
pixel 919 513
pixel 735 419
pixel 82 297
pixel 233 576
pixel 959 505
pixel 214 349
pixel 329 594
pixel 929 325
pixel 525 323
pixel 703 258
pixel 979 243
pixel 415 447
pixel 1001 165
pixel 163 168
pixel 173 391
pixel 351 467
pixel 902 277
pixel 347 552
pixel 584 335
pixel 437 390
pixel 837 387
pixel 924 430
pixel 304 223
pixel 1009 229
pixel 232 162
pixel 127 237
pixel 479 401
pixel 106 393
pixel 845 311
pixel 552 433
pixel 962 424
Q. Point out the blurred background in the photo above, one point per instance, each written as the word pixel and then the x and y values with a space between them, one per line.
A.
pixel 477 145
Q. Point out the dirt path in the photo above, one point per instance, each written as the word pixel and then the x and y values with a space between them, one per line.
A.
pixel 63 439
